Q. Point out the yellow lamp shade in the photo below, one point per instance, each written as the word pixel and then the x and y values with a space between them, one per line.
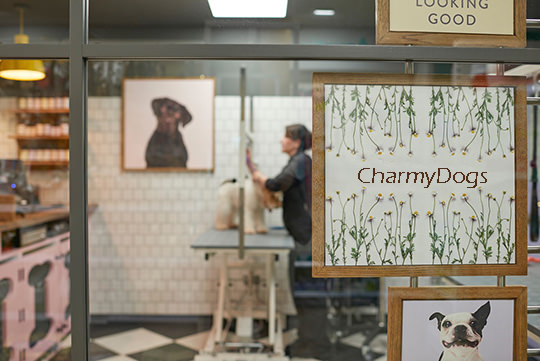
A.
pixel 22 69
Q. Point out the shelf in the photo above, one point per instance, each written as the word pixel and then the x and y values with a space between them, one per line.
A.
pixel 336 294
pixel 39 163
pixel 42 111
pixel 40 137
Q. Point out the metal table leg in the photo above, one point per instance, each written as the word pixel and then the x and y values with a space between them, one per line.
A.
pixel 271 277
pixel 223 279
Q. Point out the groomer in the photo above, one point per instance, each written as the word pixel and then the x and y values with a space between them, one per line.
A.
pixel 294 181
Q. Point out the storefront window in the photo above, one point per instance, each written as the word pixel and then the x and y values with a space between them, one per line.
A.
pixel 152 275
pixel 158 143
pixel 148 237
pixel 34 213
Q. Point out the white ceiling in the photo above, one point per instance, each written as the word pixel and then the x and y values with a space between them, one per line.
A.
pixel 184 13
pixel 196 13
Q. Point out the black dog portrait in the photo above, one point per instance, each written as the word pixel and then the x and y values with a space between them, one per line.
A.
pixel 166 147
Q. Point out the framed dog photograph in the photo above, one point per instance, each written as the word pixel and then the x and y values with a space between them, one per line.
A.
pixel 419 175
pixel 478 23
pixel 457 323
pixel 168 124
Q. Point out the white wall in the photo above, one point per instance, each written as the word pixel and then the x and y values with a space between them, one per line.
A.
pixel 140 256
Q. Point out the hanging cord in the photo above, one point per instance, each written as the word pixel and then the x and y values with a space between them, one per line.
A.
pixel 533 227
pixel 21 20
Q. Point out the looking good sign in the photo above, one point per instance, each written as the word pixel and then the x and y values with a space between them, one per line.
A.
pixel 453 16
pixel 480 23
pixel 419 170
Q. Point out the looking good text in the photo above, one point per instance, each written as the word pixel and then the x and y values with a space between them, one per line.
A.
pixel 442 175
pixel 452 18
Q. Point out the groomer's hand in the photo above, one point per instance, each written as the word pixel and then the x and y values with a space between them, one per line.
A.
pixel 252 168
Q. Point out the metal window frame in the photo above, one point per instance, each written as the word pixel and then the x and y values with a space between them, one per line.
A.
pixel 79 51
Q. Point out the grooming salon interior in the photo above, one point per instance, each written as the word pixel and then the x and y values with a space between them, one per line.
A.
pixel 127 150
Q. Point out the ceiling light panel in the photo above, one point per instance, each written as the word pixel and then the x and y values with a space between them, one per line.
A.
pixel 248 8
pixel 324 12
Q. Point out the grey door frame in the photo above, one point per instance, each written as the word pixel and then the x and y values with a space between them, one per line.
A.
pixel 79 51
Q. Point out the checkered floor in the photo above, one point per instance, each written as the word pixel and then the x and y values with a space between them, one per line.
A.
pixel 143 344
pixel 140 344
pixel 173 341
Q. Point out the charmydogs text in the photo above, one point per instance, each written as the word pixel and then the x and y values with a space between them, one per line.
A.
pixel 441 176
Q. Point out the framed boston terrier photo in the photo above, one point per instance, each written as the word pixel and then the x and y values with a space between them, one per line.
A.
pixel 457 323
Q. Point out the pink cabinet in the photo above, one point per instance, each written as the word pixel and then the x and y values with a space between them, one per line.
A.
pixel 35 311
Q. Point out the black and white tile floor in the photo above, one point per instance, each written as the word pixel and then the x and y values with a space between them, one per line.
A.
pixel 145 344
pixel 181 341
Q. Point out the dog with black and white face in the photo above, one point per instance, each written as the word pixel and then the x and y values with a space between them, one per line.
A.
pixel 461 333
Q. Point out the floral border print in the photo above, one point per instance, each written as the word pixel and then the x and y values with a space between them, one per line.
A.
pixel 419 175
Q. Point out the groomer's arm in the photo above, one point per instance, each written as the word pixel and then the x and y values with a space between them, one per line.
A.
pixel 259 178
pixel 282 181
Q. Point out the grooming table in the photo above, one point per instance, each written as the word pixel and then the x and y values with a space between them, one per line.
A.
pixel 224 246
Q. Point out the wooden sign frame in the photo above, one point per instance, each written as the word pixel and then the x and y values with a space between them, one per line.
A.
pixel 385 36
pixel 329 229
pixel 412 322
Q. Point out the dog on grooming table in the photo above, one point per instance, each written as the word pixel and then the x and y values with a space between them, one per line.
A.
pixel 256 199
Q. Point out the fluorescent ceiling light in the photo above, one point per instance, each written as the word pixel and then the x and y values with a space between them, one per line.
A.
pixel 528 70
pixel 524 70
pixel 248 8
pixel 324 12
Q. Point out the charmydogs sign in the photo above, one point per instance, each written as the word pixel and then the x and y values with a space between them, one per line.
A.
pixel 418 171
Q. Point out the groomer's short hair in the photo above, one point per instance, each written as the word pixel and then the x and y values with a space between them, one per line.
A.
pixel 299 131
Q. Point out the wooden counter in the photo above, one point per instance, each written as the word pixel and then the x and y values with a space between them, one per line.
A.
pixel 32 219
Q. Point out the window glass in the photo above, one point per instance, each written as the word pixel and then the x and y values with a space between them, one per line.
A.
pixel 346 22
pixel 34 214
pixel 192 21
pixel 41 22
pixel 154 277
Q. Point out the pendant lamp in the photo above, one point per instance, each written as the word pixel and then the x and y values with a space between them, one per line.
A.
pixel 22 69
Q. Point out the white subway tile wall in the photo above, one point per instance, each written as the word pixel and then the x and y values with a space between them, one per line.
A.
pixel 140 236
